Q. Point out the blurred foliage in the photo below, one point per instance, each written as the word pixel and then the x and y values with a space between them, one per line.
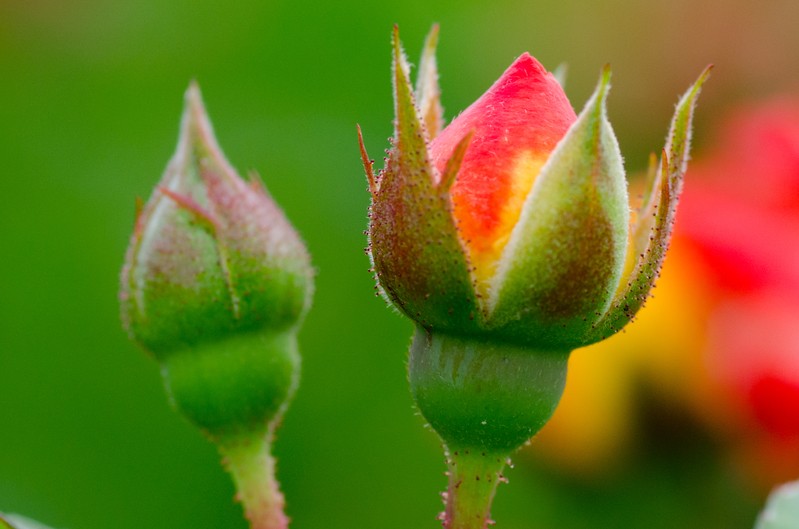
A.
pixel 90 96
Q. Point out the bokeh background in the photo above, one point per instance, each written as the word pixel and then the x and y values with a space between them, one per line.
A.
pixel 90 98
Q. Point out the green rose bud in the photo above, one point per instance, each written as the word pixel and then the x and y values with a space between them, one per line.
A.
pixel 215 284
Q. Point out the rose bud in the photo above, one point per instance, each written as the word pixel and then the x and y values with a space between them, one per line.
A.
pixel 215 284
pixel 505 238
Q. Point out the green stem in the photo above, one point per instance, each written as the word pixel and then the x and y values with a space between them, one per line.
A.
pixel 473 480
pixel 249 461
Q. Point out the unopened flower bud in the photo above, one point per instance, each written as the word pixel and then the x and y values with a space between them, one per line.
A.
pixel 214 285
pixel 507 237
pixel 514 221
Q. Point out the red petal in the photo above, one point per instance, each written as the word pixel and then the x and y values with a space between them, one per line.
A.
pixel 516 123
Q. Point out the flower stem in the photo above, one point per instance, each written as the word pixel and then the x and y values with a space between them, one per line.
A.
pixel 249 460
pixel 473 480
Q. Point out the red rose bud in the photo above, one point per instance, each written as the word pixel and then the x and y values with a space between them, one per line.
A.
pixel 215 284
pixel 514 221
pixel 506 238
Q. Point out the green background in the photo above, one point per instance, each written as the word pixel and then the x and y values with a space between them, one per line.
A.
pixel 90 98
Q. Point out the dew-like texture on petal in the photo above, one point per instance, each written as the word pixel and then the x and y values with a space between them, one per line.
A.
pixel 516 125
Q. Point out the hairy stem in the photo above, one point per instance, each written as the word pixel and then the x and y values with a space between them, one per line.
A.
pixel 473 480
pixel 249 461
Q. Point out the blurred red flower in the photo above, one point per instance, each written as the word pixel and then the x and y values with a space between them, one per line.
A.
pixel 742 216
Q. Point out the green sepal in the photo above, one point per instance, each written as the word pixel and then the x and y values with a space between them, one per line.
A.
pixel 211 254
pixel 428 92
pixel 483 394
pixel 418 258
pixel 655 220
pixel 560 73
pixel 565 256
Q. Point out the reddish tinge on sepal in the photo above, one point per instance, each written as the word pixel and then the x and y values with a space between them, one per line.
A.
pixel 211 254
pixel 413 241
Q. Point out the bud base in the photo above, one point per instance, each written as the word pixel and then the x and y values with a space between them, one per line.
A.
pixel 235 386
pixel 483 395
